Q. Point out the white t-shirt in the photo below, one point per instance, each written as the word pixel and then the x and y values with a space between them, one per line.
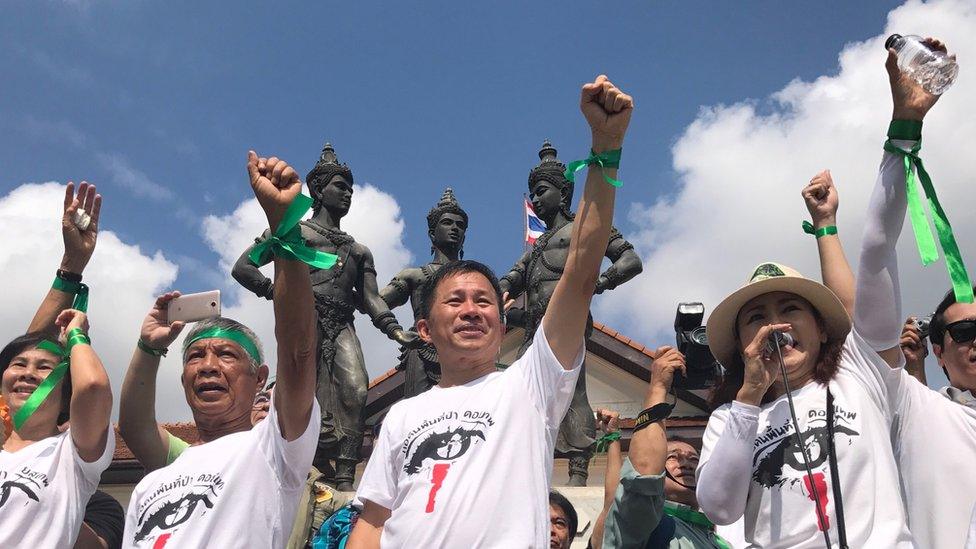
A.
pixel 44 489
pixel 971 539
pixel 935 446
pixel 779 509
pixel 470 466
pixel 240 490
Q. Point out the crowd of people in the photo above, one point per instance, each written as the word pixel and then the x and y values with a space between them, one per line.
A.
pixel 823 433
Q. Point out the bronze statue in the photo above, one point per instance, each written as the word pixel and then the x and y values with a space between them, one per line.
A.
pixel 536 274
pixel 349 285
pixel 447 224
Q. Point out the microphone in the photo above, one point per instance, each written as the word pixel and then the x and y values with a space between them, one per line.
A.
pixel 782 338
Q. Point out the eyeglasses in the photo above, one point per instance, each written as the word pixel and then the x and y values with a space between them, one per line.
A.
pixel 962 331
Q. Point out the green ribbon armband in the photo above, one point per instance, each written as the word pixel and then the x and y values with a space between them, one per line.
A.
pixel 608 159
pixel 75 337
pixel 287 242
pixel 694 517
pixel 911 130
pixel 77 288
pixel 236 336
pixel 603 443
pixel 822 231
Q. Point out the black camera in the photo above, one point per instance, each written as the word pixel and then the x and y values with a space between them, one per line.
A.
pixel 702 369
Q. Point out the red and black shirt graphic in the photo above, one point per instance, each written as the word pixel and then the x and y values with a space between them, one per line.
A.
pixel 778 462
pixel 433 446
pixel 175 502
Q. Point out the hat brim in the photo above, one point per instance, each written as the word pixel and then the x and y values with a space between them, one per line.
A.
pixel 722 340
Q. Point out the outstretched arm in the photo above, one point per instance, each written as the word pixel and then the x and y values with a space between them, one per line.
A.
pixel 377 309
pixel 91 394
pixel 877 310
pixel 607 110
pixel 249 275
pixel 78 248
pixel 822 202
pixel 147 439
pixel 608 421
pixel 276 185
pixel 397 292
pixel 625 264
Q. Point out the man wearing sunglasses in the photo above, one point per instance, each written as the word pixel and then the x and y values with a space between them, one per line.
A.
pixel 953 331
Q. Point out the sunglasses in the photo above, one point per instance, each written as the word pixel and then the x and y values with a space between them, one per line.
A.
pixel 962 331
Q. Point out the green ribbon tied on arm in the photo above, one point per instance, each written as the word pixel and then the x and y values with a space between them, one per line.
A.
pixel 287 242
pixel 695 517
pixel 80 290
pixel 608 159
pixel 603 443
pixel 75 337
pixel 912 130
pixel 822 231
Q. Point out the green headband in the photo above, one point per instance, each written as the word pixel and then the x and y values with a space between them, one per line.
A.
pixel 236 336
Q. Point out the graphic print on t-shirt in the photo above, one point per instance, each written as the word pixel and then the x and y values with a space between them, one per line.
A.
pixel 175 502
pixel 436 444
pixel 778 461
pixel 25 481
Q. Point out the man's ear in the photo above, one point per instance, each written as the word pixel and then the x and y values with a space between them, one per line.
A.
pixel 423 330
pixel 263 371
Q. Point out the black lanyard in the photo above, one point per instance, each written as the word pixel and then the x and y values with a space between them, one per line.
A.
pixel 834 476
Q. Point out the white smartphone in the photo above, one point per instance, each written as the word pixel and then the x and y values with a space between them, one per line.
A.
pixel 194 307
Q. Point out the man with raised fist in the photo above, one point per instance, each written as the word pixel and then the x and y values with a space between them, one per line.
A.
pixel 215 494
pixel 447 461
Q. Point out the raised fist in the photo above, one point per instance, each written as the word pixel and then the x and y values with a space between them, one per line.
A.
pixel 275 184
pixel 911 101
pixel 607 421
pixel 821 199
pixel 607 110
pixel 69 319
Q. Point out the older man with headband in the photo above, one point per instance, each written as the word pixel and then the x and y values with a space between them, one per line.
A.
pixel 215 494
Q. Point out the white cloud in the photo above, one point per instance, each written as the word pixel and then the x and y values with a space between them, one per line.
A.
pixel 138 183
pixel 737 201
pixel 123 281
pixel 374 220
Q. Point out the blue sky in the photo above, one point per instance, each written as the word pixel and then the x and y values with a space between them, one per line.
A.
pixel 738 104
pixel 415 97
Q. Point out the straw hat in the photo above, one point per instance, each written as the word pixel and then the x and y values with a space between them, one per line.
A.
pixel 773 277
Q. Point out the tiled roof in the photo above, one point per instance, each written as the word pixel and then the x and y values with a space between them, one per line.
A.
pixel 623 339
pixel 185 430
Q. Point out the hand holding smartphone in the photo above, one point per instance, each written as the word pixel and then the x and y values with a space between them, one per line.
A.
pixel 194 307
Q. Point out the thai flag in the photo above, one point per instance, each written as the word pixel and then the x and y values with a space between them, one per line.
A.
pixel 534 227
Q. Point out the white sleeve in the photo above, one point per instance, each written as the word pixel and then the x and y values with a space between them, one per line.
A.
pixel 877 307
pixel 291 461
pixel 971 539
pixel 550 386
pixel 723 488
pixel 379 483
pixel 92 471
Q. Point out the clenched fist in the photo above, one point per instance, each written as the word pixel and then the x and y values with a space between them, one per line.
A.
pixel 821 199
pixel 607 110
pixel 275 184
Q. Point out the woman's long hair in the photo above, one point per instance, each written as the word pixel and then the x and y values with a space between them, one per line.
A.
pixel 826 368
pixel 29 341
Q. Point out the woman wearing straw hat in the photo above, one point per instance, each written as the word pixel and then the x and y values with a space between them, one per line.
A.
pixel 807 460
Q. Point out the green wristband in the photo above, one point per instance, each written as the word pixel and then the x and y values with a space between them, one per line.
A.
pixel 144 347
pixel 822 231
pixel 910 130
pixel 76 336
pixel 79 290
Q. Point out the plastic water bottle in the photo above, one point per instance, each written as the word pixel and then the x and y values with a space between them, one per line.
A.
pixel 933 70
